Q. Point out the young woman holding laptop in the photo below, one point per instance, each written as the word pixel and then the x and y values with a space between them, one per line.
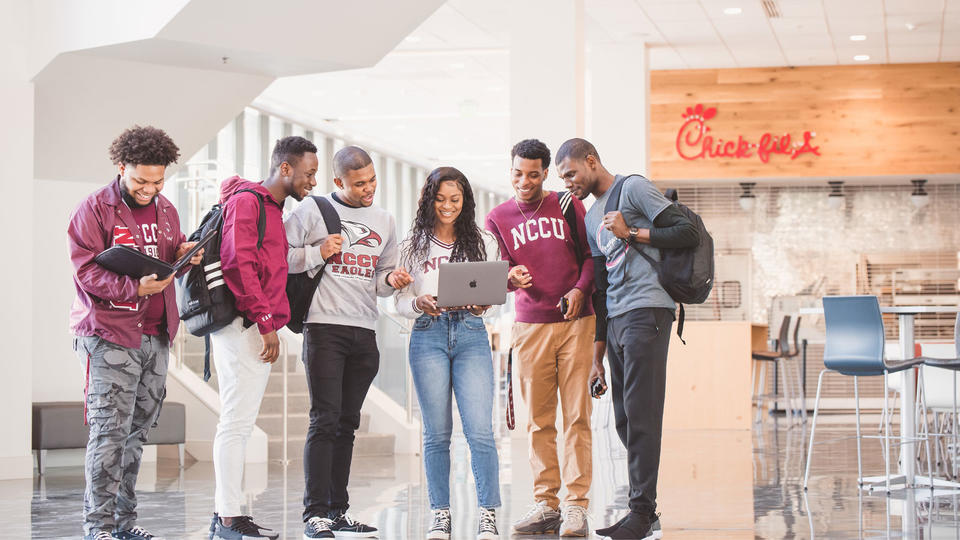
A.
pixel 449 348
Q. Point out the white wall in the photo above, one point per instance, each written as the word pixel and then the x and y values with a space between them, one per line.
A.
pixel 16 173
pixel 57 373
pixel 547 71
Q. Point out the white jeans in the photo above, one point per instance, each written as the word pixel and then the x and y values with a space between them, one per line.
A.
pixel 243 379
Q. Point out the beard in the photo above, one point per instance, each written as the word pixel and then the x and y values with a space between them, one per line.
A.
pixel 132 201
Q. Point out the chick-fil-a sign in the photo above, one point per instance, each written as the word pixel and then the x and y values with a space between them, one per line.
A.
pixel 695 142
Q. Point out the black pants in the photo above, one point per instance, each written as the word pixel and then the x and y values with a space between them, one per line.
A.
pixel 341 362
pixel 637 353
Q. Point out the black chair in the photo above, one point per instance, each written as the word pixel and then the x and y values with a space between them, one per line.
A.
pixel 780 353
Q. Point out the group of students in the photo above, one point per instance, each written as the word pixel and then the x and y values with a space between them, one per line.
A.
pixel 583 291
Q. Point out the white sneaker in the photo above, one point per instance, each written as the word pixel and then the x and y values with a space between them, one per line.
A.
pixel 574 521
pixel 440 528
pixel 487 529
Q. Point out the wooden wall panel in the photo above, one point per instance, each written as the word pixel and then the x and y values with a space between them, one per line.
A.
pixel 897 119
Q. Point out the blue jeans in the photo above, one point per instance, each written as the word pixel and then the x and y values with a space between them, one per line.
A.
pixel 450 354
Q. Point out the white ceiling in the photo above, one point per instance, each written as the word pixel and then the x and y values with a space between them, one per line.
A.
pixel 442 94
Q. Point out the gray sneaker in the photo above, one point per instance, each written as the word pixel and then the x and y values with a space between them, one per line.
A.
pixel 539 519
pixel 574 521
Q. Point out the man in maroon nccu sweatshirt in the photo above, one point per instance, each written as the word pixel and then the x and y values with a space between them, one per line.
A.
pixel 550 261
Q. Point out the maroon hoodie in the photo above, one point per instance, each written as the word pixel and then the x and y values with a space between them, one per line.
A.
pixel 107 304
pixel 257 278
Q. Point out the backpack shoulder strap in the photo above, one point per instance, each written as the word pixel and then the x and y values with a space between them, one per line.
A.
pixel 613 201
pixel 261 219
pixel 570 216
pixel 331 219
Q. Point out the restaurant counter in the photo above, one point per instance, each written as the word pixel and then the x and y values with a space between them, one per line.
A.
pixel 708 379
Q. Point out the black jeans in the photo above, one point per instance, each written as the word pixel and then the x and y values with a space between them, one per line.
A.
pixel 341 362
pixel 637 353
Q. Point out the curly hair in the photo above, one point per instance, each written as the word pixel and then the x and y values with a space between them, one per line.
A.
pixel 144 146
pixel 468 245
pixel 532 149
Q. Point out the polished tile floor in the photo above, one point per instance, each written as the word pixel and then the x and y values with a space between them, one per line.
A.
pixel 713 485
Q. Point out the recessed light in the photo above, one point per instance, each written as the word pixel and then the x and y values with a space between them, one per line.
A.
pixel 732 11
pixel 861 57
pixel 858 37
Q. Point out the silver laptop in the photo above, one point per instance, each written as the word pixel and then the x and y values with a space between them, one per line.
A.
pixel 472 283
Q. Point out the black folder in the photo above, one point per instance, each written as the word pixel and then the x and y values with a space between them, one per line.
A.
pixel 134 263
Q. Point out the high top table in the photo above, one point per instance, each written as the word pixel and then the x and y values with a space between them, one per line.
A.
pixel 908 428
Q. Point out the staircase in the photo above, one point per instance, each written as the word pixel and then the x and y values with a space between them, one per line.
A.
pixel 270 419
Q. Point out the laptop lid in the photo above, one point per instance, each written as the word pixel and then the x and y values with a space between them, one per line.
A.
pixel 482 283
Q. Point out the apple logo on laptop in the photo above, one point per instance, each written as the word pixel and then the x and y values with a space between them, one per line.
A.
pixel 473 284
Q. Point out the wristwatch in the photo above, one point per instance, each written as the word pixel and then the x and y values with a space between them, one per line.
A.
pixel 633 233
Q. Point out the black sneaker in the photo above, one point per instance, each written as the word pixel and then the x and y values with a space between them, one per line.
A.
pixel 242 528
pixel 317 527
pixel 213 524
pixel 636 527
pixel 606 531
pixel 487 528
pixel 135 533
pixel 440 528
pixel 655 530
pixel 344 525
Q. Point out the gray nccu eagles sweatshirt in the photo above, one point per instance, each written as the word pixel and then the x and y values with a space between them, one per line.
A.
pixel 353 278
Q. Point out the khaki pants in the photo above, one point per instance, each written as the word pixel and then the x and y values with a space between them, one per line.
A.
pixel 552 359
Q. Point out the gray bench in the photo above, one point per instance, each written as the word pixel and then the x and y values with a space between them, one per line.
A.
pixel 59 424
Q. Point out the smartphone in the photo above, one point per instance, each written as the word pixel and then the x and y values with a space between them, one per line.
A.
pixel 564 305
pixel 598 387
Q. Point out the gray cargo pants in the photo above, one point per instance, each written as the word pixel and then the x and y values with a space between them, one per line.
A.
pixel 124 392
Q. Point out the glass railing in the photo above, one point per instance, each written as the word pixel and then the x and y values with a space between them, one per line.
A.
pixel 393 340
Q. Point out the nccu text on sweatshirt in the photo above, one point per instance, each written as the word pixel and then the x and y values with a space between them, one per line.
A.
pixel 541 241
pixel 426 274
pixel 353 278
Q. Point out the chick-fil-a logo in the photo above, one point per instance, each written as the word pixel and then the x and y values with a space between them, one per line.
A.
pixel 694 142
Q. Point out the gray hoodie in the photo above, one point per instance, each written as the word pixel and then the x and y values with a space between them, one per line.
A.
pixel 355 277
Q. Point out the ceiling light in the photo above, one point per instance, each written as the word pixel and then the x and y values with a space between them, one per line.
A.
pixel 861 57
pixel 732 11
pixel 858 37
pixel 747 198
pixel 919 197
pixel 910 26
pixel 835 198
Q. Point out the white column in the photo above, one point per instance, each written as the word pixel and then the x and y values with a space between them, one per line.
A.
pixel 17 188
pixel 547 71
pixel 620 105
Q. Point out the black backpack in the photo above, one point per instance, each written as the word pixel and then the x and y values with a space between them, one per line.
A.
pixel 685 273
pixel 204 301
pixel 300 287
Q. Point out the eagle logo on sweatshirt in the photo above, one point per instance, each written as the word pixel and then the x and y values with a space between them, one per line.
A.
pixel 359 234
